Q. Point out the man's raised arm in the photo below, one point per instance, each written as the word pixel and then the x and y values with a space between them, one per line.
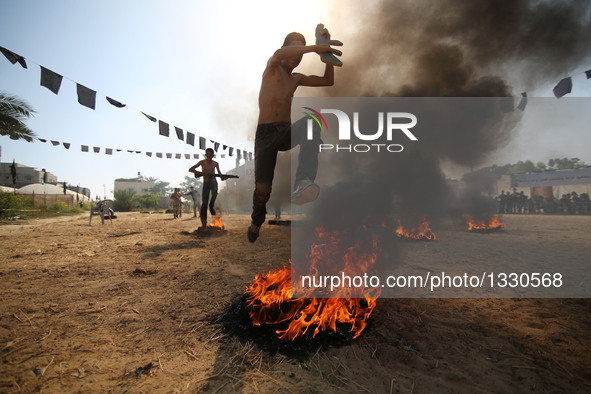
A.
pixel 290 51
pixel 313 80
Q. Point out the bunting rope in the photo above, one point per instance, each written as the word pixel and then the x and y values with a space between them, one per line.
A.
pixel 247 156
pixel 87 97
pixel 562 88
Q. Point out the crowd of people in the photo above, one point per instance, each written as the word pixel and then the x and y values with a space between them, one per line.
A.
pixel 569 203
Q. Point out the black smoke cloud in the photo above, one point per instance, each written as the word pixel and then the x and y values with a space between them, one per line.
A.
pixel 454 48
pixel 446 49
pixel 451 48
pixel 431 49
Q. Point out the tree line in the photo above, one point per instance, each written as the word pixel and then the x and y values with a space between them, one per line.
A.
pixel 528 166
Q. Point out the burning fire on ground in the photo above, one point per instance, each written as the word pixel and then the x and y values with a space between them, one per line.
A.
pixel 216 227
pixel 269 299
pixel 422 233
pixel 216 224
pixel 486 225
pixel 269 303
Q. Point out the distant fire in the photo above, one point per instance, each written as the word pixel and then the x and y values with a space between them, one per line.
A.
pixel 269 298
pixel 216 224
pixel 214 228
pixel 487 225
pixel 422 233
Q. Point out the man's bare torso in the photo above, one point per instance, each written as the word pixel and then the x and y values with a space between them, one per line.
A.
pixel 208 169
pixel 277 90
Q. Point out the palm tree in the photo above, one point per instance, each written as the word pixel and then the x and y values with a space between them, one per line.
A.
pixel 13 113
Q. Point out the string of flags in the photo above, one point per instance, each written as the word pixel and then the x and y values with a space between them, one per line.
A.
pixel 247 156
pixel 562 88
pixel 87 97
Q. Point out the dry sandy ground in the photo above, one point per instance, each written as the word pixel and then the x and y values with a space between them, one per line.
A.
pixel 88 308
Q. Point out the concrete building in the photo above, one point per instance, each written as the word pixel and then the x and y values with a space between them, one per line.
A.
pixel 49 193
pixel 137 186
pixel 548 183
pixel 25 175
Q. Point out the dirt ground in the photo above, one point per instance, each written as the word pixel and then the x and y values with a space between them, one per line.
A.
pixel 127 306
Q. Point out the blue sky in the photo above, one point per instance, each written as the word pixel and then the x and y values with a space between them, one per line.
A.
pixel 194 64
pixel 189 63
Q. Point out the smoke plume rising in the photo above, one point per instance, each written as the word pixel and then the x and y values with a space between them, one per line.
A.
pixel 448 48
pixel 454 49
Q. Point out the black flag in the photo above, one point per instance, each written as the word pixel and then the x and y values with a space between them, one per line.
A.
pixel 523 101
pixel 563 87
pixel 13 57
pixel 190 138
pixel 115 103
pixel 179 133
pixel 13 173
pixel 153 119
pixel 163 128
pixel 86 96
pixel 50 80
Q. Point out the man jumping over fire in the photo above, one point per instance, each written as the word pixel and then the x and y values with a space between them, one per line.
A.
pixel 208 167
pixel 274 130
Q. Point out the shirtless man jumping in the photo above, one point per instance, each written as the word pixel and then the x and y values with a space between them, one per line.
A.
pixel 208 167
pixel 274 131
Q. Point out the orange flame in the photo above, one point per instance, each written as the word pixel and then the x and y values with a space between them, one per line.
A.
pixel 216 224
pixel 423 232
pixel 270 299
pixel 270 302
pixel 490 224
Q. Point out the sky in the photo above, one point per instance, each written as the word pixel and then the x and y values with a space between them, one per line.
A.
pixel 191 64
pixel 196 65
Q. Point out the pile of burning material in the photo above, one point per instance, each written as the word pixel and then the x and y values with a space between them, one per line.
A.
pixel 422 233
pixel 267 309
pixel 213 228
pixel 277 322
pixel 487 225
